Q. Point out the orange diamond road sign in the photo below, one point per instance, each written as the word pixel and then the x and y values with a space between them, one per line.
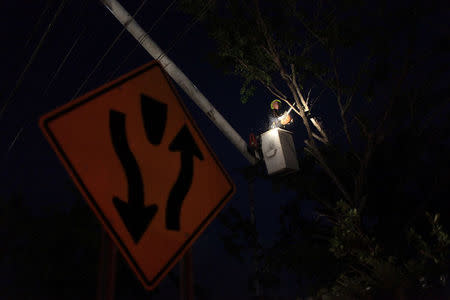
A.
pixel 143 165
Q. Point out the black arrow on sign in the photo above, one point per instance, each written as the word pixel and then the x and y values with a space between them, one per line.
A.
pixel 154 115
pixel 134 214
pixel 184 143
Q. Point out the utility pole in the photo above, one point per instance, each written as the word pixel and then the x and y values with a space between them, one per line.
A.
pixel 178 76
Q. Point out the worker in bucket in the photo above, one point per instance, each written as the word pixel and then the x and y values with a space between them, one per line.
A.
pixel 279 119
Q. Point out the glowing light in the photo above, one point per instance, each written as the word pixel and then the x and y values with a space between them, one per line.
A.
pixel 273 122
pixel 285 119
pixel 273 132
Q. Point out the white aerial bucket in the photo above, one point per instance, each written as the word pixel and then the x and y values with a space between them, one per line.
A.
pixel 279 153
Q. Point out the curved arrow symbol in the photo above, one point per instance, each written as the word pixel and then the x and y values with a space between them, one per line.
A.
pixel 134 214
pixel 184 143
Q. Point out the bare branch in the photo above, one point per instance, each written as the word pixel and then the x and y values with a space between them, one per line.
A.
pixel 363 126
pixel 272 86
pixel 401 77
pixel 339 93
pixel 325 83
pixel 320 139
pixel 313 101
pixel 294 82
pixel 361 177
pixel 293 73
pixel 292 106
pixel 316 124
pixel 308 97
pixel 320 129
pixel 319 39
pixel 273 92
pixel 357 83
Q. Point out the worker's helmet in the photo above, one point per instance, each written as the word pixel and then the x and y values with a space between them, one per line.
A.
pixel 272 104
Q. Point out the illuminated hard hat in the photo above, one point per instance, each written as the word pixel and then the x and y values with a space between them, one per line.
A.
pixel 273 102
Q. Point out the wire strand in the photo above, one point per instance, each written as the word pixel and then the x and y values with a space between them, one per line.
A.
pixel 26 123
pixel 141 38
pixel 99 62
pixel 36 25
pixel 58 70
pixel 69 52
pixel 187 29
pixel 19 81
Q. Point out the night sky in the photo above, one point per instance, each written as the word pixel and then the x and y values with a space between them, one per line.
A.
pixel 31 167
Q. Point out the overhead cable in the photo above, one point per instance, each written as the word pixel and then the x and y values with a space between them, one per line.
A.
pixel 187 28
pixel 173 44
pixel 69 52
pixel 19 81
pixel 55 75
pixel 99 62
pixel 113 73
pixel 37 24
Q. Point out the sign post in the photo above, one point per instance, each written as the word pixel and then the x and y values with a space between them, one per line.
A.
pixel 107 269
pixel 142 164
pixel 187 277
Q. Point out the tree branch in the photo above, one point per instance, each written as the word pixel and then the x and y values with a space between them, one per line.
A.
pixel 342 109
pixel 360 179
pixel 320 129
pixel 320 139
pixel 401 78
pixel 306 108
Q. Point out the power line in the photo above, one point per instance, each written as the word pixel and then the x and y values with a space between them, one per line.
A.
pixel 38 22
pixel 69 52
pixel 187 29
pixel 99 62
pixel 26 123
pixel 55 75
pixel 64 60
pixel 140 39
pixel 33 31
pixel 113 73
pixel 176 40
pixel 19 81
